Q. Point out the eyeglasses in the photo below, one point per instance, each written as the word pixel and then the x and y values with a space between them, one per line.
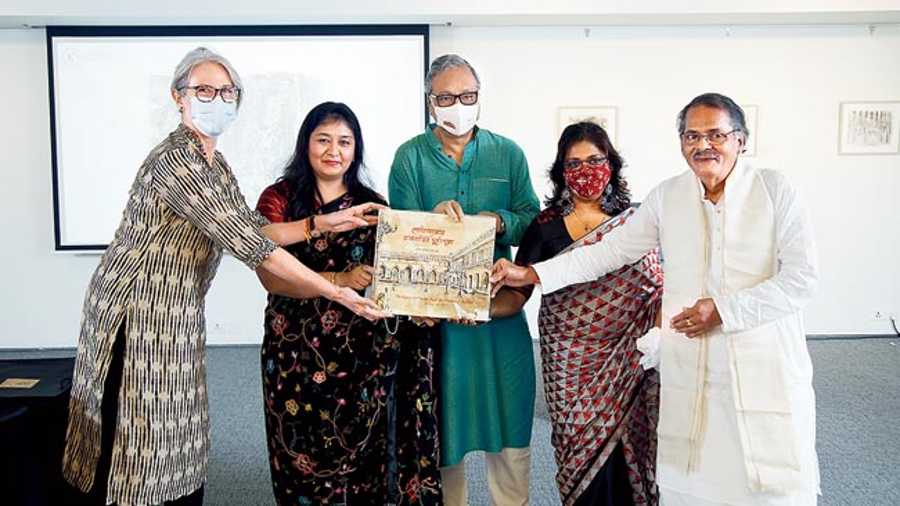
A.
pixel 714 138
pixel 448 99
pixel 574 163
pixel 206 93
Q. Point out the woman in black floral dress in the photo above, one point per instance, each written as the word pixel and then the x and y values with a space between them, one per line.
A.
pixel 349 404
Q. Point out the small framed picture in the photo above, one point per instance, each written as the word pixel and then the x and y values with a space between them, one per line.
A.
pixel 603 115
pixel 751 117
pixel 869 128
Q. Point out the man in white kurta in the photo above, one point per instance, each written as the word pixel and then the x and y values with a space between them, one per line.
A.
pixel 737 408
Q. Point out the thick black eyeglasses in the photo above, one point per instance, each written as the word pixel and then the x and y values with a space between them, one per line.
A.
pixel 206 93
pixel 448 99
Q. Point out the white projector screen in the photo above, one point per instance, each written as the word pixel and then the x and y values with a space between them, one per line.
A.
pixel 110 104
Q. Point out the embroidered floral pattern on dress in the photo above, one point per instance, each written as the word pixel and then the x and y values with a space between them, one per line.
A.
pixel 326 375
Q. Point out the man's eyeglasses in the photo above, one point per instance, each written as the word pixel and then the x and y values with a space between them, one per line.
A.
pixel 714 138
pixel 206 93
pixel 574 163
pixel 448 99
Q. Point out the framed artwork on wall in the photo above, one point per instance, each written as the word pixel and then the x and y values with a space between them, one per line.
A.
pixel 751 117
pixel 282 64
pixel 603 115
pixel 869 128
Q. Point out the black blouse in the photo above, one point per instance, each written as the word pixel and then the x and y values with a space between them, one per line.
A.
pixel 544 238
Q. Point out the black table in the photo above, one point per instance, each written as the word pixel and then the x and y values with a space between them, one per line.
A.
pixel 33 430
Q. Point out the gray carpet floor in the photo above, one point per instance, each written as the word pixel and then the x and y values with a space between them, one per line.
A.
pixel 858 404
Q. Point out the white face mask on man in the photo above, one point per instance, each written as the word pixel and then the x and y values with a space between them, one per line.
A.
pixel 457 119
pixel 212 118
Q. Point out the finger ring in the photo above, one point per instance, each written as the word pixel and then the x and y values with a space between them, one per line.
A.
pixel 689 322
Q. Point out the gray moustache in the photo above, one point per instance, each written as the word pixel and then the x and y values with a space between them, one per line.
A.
pixel 706 154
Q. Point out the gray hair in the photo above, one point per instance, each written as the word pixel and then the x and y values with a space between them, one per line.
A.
pixel 447 62
pixel 721 102
pixel 202 55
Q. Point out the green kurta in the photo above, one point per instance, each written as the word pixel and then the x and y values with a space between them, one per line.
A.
pixel 487 372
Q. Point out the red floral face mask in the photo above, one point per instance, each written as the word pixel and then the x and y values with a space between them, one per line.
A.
pixel 588 180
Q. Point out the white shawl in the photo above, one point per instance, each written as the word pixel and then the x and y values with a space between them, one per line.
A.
pixel 760 390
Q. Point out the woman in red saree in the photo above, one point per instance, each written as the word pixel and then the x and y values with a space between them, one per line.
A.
pixel 602 404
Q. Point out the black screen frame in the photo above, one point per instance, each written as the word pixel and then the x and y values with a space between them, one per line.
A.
pixel 197 31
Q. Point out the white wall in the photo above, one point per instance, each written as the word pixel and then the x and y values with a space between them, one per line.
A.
pixel 796 75
pixel 40 302
pixel 14 13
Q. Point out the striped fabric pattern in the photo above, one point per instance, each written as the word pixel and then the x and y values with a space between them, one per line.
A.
pixel 182 212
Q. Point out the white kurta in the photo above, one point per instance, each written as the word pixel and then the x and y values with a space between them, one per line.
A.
pixel 720 476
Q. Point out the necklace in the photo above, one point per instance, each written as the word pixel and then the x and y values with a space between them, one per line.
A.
pixel 579 220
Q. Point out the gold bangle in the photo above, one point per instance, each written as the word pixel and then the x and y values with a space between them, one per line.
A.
pixel 306 229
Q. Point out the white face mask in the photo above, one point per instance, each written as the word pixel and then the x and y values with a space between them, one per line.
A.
pixel 212 118
pixel 457 119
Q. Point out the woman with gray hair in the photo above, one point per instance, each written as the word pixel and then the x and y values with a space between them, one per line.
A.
pixel 138 418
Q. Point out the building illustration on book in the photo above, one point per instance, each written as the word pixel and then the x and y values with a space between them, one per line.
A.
pixel 429 265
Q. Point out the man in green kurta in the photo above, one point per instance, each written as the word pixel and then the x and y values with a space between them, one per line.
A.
pixel 487 371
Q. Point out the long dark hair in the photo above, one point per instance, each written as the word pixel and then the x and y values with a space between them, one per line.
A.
pixel 299 175
pixel 614 202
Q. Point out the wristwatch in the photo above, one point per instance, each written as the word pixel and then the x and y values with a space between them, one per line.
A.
pixel 315 234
